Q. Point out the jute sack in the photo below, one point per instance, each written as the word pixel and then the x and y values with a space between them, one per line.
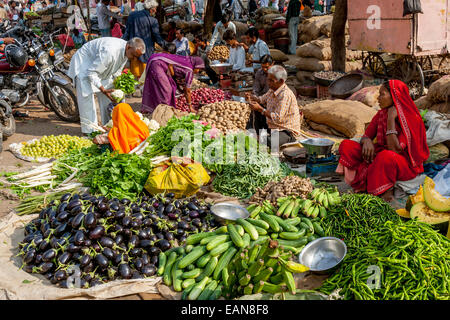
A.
pixel 267 19
pixel 353 65
pixel 319 49
pixel 165 27
pixel 324 128
pixel 280 33
pixel 195 27
pixel 313 25
pixel 439 91
pixel 278 56
pixel 313 65
pixel 325 29
pixel 163 113
pixel 423 103
pixel 438 152
pixel 241 28
pixel 303 76
pixel 443 107
pixel 347 117
pixel 368 96
pixel 265 11
pixel 307 12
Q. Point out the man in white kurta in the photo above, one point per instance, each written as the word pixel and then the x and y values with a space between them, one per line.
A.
pixel 93 69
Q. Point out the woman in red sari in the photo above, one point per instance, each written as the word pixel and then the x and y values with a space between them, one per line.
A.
pixel 393 147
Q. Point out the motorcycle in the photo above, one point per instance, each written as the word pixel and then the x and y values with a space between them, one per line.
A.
pixel 33 67
pixel 7 121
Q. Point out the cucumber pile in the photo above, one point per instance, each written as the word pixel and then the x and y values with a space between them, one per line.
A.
pixel 232 261
pixel 250 256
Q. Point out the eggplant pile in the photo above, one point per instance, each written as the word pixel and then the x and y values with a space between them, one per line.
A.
pixel 96 240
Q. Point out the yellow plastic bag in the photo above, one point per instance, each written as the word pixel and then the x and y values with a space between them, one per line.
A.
pixel 182 176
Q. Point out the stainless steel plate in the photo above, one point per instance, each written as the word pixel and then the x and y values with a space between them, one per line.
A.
pixel 323 254
pixel 229 211
pixel 317 146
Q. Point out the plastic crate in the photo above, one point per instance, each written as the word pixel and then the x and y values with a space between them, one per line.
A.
pixel 322 92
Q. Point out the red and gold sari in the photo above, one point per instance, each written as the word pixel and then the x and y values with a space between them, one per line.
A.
pixel 388 167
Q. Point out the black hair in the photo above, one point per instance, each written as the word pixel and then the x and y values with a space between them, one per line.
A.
pixel 170 47
pixel 229 35
pixel 267 58
pixel 75 31
pixel 387 86
pixel 173 24
pixel 252 32
pixel 181 31
pixel 226 17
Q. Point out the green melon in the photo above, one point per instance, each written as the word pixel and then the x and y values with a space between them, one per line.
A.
pixel 434 199
pixel 426 215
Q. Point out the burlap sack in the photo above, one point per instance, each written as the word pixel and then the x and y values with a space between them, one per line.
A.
pixel 278 56
pixel 353 65
pixel 262 11
pixel 325 29
pixel 303 76
pixel 443 107
pixel 313 25
pixel 307 12
pixel 195 27
pixel 313 65
pixel 165 27
pixel 324 128
pixel 319 49
pixel 347 117
pixel 163 113
pixel 241 28
pixel 268 18
pixel 17 284
pixel 368 96
pixel 439 91
pixel 280 33
pixel 438 152
pixel 423 103
pixel 304 37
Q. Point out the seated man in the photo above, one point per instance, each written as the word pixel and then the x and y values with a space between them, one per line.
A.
pixel 237 52
pixel 282 114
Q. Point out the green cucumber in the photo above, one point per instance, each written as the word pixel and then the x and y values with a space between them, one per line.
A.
pixel 216 293
pixel 168 269
pixel 192 274
pixel 261 231
pixel 271 221
pixel 239 229
pixel 286 226
pixel 203 260
pixel 198 288
pixel 187 283
pixel 218 240
pixel 196 238
pixel 162 260
pixel 318 229
pixel 292 235
pixel 221 248
pixel 259 223
pixel 249 228
pixel 208 290
pixel 246 239
pixel 308 223
pixel 235 237
pixel 224 261
pixel 209 269
pixel 293 243
pixel 188 290
pixel 192 256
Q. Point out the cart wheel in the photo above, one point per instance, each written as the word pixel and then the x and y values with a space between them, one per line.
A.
pixel 375 65
pixel 444 65
pixel 426 63
pixel 410 72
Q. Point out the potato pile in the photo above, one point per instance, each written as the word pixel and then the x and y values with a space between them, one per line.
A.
pixel 196 84
pixel 291 185
pixel 226 115
pixel 220 53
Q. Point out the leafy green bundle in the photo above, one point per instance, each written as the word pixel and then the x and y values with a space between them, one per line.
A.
pixel 126 82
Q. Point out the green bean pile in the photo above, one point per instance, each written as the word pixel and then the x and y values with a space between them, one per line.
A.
pixel 357 217
pixel 414 261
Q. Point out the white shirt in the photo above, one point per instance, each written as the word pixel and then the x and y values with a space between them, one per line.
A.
pixel 264 3
pixel 97 63
pixel 219 30
pixel 258 50
pixel 275 4
pixel 237 58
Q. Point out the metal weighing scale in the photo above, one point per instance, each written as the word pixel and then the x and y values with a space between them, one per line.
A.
pixel 223 70
pixel 320 159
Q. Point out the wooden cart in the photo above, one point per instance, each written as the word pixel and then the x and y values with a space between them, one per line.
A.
pixel 413 48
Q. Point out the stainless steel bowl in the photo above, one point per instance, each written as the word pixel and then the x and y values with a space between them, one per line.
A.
pixel 317 146
pixel 222 68
pixel 229 212
pixel 238 99
pixel 323 255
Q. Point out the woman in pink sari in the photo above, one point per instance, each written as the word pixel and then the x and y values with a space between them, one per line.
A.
pixel 160 86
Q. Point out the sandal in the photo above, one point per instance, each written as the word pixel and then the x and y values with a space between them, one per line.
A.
pixel 18 114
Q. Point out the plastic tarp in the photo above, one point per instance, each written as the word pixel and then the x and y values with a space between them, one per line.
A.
pixel 438 127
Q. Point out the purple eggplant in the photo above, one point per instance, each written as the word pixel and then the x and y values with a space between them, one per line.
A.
pixel 101 260
pixel 194 214
pixel 79 238
pixel 45 267
pixel 154 260
pixel 145 258
pixel 60 275
pixel 65 197
pixel 85 260
pixel 72 248
pixel 125 271
pixel 29 256
pixel 49 255
pixel 97 233
pixel 90 221
pixel 108 253
pixel 106 242
pixel 138 264
pixel 64 258
pixel 148 270
pixel 77 220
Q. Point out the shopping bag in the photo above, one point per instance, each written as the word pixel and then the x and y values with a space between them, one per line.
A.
pixel 181 176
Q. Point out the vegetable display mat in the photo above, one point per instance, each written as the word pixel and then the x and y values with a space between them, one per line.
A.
pixel 17 284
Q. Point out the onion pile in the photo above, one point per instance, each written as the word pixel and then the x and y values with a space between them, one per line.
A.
pixel 200 97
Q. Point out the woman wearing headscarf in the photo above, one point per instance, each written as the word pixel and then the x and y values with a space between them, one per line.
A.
pixel 163 72
pixel 393 148
pixel 127 132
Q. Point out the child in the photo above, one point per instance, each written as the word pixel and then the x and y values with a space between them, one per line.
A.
pixel 78 38
pixel 182 43
pixel 237 52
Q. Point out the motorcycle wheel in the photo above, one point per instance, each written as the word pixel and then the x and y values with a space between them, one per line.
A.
pixel 66 108
pixel 8 125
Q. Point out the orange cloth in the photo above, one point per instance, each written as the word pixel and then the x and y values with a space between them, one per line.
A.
pixel 128 129
pixel 137 67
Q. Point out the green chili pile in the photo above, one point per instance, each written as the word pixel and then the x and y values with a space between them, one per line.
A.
pixel 413 260
pixel 242 179
pixel 358 216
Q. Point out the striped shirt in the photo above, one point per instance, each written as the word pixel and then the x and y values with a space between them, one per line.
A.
pixel 283 108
